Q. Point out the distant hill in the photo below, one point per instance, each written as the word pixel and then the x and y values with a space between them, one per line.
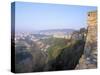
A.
pixel 65 31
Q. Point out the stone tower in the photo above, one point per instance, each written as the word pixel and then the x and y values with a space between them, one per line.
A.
pixel 89 58
pixel 90 50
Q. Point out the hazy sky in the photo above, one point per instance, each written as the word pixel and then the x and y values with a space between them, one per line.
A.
pixel 39 16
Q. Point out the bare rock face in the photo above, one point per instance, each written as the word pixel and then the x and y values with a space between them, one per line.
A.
pixel 29 58
pixel 89 58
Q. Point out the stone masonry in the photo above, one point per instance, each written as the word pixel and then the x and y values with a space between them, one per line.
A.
pixel 89 58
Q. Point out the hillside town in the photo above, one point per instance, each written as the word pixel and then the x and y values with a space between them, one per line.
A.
pixel 37 40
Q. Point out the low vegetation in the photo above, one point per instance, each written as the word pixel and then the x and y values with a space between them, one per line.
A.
pixel 63 54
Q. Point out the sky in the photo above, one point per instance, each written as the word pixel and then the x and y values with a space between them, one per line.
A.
pixel 40 16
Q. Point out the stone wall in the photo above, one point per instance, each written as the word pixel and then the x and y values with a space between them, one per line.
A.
pixel 89 58
pixel 91 39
